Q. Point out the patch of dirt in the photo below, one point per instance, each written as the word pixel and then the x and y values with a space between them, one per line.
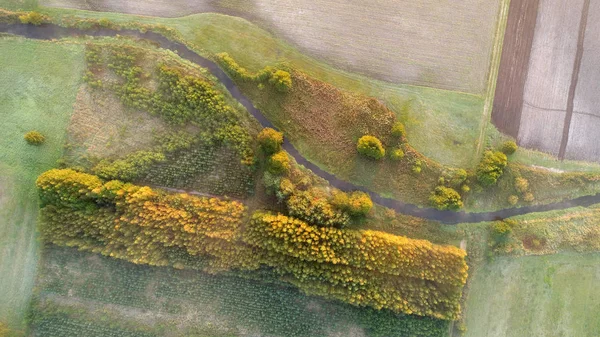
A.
pixel 102 127
pixel 518 39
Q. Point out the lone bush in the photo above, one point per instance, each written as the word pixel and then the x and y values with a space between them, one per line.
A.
pixel 491 167
pixel 279 163
pixel 371 147
pixel 509 147
pixel 33 18
pixel 522 185
pixel 397 154
pixel 398 130
pixel 528 197
pixel 282 80
pixel 445 198
pixel 270 140
pixel 357 203
pixel 34 138
pixel 513 200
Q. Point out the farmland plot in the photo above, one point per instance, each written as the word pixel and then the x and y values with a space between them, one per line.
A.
pixel 549 77
pixel 583 134
pixel 443 45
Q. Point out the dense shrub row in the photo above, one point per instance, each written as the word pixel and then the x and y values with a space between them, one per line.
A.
pixel 141 225
pixel 363 267
pixel 278 78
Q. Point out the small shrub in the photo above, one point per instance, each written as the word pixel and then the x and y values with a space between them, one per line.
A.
pixel 465 188
pixel 501 229
pixel 445 198
pixel 513 200
pixel 34 138
pixel 397 154
pixel 509 147
pixel 522 185
pixel 491 168
pixel 270 140
pixel 528 197
pixel 282 80
pixel 279 163
pixel 454 177
pixel 398 130
pixel 371 147
pixel 416 169
pixel 33 18
pixel 357 203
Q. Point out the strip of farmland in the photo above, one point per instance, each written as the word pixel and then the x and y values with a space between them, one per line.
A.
pixel 508 104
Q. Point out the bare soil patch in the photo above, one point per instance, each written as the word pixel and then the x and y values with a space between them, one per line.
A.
pixel 518 38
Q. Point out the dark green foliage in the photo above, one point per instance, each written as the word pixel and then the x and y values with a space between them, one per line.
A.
pixel 371 147
pixel 445 198
pixel 453 177
pixel 270 140
pixel 34 138
pixel 491 167
pixel 509 147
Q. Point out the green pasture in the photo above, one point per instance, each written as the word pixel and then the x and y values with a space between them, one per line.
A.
pixel 550 296
pixel 38 85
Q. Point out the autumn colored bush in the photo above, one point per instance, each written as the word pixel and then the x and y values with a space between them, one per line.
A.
pixel 491 167
pixel 281 80
pixel 270 140
pixel 397 154
pixel 371 147
pixel 33 18
pixel 445 198
pixel 146 226
pixel 279 163
pixel 34 138
pixel 398 130
pixel 313 206
pixel 509 147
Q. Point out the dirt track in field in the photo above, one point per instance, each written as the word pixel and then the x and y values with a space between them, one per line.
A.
pixel 518 39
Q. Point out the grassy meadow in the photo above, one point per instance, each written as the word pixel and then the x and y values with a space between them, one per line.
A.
pixel 549 296
pixel 39 81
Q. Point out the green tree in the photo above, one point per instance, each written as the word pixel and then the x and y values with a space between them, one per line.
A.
pixel 34 138
pixel 491 167
pixel 445 198
pixel 270 140
pixel 371 147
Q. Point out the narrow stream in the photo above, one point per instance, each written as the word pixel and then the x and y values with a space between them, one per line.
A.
pixel 51 31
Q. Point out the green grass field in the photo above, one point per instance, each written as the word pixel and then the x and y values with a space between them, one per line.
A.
pixel 548 296
pixel 38 83
pixel 97 296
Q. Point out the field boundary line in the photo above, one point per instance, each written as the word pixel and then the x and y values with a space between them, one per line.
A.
pixel 493 74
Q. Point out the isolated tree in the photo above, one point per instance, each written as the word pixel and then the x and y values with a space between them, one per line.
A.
pixel 371 147
pixel 445 198
pixel 270 140
pixel 509 147
pixel 491 167
pixel 34 138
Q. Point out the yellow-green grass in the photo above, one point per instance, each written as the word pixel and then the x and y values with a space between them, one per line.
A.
pixel 444 125
pixel 19 4
pixel 38 84
pixel 551 296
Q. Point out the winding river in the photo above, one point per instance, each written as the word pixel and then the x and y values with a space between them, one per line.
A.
pixel 50 31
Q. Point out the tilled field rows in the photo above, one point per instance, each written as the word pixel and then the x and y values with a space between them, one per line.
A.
pixel 557 111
